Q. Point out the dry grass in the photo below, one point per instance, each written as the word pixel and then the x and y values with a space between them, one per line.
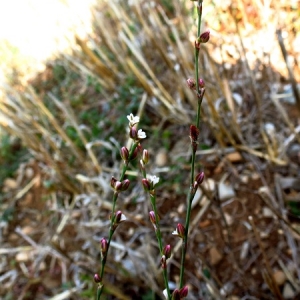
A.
pixel 59 200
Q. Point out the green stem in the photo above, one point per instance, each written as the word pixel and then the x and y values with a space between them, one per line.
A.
pixel 159 240
pixel 191 194
pixel 112 220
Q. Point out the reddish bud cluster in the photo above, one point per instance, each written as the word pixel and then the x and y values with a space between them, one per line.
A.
pixel 119 186
pixel 180 294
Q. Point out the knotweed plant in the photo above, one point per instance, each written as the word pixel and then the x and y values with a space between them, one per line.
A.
pixel 149 183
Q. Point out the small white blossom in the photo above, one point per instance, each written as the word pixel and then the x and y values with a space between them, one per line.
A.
pixel 133 120
pixel 165 293
pixel 141 134
pixel 175 232
pixel 153 179
pixel 123 218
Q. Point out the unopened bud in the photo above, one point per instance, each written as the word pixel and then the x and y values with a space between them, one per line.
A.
pixel 204 37
pixel 184 292
pixel 145 156
pixel 118 186
pixel 125 184
pixel 146 184
pixel 124 154
pixel 133 133
pixel 97 278
pixel 199 178
pixel 201 83
pixel 167 251
pixel 180 231
pixel 103 246
pixel 120 217
pixel 191 83
pixel 194 133
pixel 176 295
pixel 113 182
pixel 163 262
pixel 152 217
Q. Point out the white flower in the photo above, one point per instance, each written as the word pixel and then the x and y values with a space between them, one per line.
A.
pixel 141 134
pixel 153 179
pixel 133 120
pixel 165 293
pixel 175 232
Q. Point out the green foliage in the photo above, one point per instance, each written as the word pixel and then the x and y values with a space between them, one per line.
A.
pixel 11 155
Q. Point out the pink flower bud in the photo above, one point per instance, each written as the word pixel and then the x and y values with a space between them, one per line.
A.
pixel 125 184
pixel 103 246
pixel 200 178
pixel 204 37
pixel 167 251
pixel 184 292
pixel 97 278
pixel 133 133
pixel 180 231
pixel 152 217
pixel 118 186
pixel 201 83
pixel 124 154
pixel 146 184
pixel 176 295
pixel 113 182
pixel 191 83
pixel 120 217
pixel 163 262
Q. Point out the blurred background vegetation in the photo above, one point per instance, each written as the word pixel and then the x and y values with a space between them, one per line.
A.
pixel 63 121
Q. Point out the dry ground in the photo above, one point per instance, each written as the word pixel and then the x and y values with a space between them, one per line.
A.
pixel 244 240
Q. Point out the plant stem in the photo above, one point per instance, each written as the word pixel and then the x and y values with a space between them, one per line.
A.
pixel 191 194
pixel 112 220
pixel 159 240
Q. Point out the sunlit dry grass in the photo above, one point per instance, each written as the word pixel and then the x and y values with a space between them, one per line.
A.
pixel 243 113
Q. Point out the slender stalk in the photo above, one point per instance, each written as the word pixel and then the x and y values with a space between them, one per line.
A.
pixel 159 240
pixel 113 217
pixel 200 93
